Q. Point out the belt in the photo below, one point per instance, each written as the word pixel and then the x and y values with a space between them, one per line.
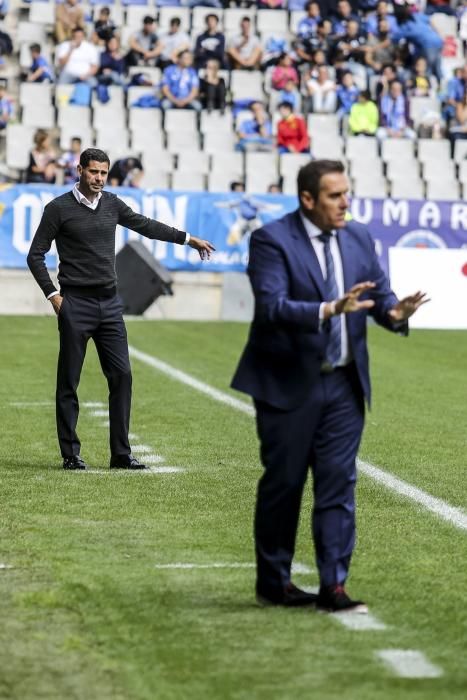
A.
pixel 326 368
pixel 95 292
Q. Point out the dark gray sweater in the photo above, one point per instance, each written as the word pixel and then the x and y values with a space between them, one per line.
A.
pixel 85 240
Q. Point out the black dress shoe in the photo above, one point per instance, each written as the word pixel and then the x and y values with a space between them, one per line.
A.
pixel 74 462
pixel 335 599
pixel 125 462
pixel 290 596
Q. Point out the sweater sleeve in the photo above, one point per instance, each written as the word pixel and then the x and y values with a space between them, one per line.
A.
pixel 148 227
pixel 45 234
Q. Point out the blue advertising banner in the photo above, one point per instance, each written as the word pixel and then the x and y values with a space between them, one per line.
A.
pixel 227 221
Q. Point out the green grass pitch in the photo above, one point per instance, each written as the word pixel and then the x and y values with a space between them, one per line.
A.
pixel 85 613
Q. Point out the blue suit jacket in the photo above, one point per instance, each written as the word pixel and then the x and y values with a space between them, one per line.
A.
pixel 286 344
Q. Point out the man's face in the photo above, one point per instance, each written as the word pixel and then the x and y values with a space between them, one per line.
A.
pixel 78 37
pixel 382 8
pixel 396 89
pixel 174 28
pixel 329 209
pixel 257 110
pixel 344 8
pixel 149 28
pixel 94 176
pixel 245 26
pixel 186 59
pixel 75 145
pixel 212 23
pixel 325 30
pixel 352 28
pixel 285 112
pixel 313 10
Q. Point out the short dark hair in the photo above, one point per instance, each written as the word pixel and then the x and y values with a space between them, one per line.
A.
pixel 175 22
pixel 211 14
pixel 90 154
pixel 77 29
pixel 309 176
pixel 35 47
pixel 148 20
pixel 76 138
pixel 285 104
pixel 245 19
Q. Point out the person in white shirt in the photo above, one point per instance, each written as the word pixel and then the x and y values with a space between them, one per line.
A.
pixel 244 49
pixel 322 91
pixel 78 60
pixel 173 43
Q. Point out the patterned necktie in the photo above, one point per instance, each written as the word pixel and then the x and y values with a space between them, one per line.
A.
pixel 334 346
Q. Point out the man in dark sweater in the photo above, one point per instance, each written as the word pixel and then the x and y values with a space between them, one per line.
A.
pixel 82 223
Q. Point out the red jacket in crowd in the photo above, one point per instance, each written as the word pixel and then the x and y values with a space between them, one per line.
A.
pixel 292 132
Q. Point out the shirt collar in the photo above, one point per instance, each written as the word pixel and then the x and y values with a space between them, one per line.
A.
pixel 82 199
pixel 312 230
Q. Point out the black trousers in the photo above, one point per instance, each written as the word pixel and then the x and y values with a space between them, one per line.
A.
pixel 100 318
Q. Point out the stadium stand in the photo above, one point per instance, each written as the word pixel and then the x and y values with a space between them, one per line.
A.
pixel 190 151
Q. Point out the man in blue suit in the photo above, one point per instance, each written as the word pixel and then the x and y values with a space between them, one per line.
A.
pixel 315 279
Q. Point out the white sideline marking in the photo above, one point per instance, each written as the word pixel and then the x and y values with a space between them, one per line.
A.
pixel 357 621
pixel 301 569
pixel 5 566
pixel 133 436
pixel 143 449
pixel 31 404
pixel 105 424
pixel 93 404
pixel 218 565
pixel 100 413
pixel 153 459
pixel 185 378
pixel 409 663
pixel 455 516
pixel 166 470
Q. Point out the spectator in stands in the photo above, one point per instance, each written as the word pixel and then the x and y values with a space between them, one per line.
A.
pixel 212 87
pixel 420 83
pixel 364 117
pixel 42 159
pixel 306 47
pixel 394 114
pixel 6 47
pixel 69 160
pixel 307 27
pixel 173 43
pixel 112 64
pixel 342 17
pixel 271 4
pixel 322 92
pixel 388 74
pixel 104 27
pixel 443 6
pixel 237 186
pixel 210 44
pixel 68 16
pixel 78 60
pixel 292 134
pixel 244 49
pixel 7 111
pixel 352 45
pixel 180 84
pixel 456 89
pixel 382 13
pixel 144 45
pixel 275 187
pixel 40 71
pixel 283 72
pixel 291 95
pixel 416 29
pixel 255 134
pixel 458 127
pixel 347 94
pixel 272 49
pixel 126 172
pixel 380 49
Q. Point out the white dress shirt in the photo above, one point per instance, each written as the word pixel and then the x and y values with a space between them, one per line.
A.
pixel 318 246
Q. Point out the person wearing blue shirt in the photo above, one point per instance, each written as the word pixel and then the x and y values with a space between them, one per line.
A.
pixel 343 15
pixel 180 84
pixel 308 25
pixel 456 89
pixel 255 134
pixel 347 94
pixel 40 71
pixel 416 29
pixel 6 107
pixel 382 12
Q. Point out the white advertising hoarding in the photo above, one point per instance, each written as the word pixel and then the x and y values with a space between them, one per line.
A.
pixel 442 274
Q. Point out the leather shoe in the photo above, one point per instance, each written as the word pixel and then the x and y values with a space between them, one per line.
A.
pixel 74 462
pixel 290 596
pixel 125 462
pixel 335 599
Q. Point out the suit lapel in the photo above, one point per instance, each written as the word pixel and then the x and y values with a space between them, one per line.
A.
pixel 306 253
